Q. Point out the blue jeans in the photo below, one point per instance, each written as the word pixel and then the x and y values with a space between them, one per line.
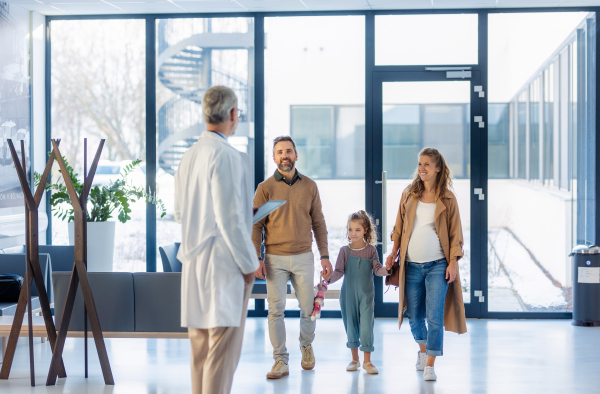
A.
pixel 426 288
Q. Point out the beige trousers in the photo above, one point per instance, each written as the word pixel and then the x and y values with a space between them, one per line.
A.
pixel 216 353
pixel 300 270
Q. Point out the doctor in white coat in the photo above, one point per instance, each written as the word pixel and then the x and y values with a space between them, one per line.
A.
pixel 213 202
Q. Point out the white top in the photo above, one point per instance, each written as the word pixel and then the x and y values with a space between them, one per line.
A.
pixel 424 244
pixel 213 202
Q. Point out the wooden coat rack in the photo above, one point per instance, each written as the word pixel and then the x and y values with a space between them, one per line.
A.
pixel 32 271
pixel 79 273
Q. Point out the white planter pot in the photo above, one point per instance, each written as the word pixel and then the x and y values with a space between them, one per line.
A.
pixel 101 245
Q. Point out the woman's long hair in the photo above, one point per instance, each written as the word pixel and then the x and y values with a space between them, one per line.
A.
pixel 443 181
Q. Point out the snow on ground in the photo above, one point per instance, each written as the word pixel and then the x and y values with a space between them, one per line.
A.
pixel 464 267
pixel 527 279
pixel 497 278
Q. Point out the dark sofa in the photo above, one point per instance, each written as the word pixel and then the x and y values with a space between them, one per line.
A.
pixel 125 301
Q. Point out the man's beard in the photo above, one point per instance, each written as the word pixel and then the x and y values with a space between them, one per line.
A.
pixel 286 167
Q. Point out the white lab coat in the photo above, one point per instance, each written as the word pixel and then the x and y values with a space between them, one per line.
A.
pixel 213 202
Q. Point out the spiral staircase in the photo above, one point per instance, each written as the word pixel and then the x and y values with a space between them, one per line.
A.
pixel 187 69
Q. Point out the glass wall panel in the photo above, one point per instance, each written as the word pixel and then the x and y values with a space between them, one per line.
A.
pixel 534 130
pixel 401 139
pixel 99 92
pixel 15 120
pixel 426 39
pixel 315 92
pixel 522 136
pixel 193 55
pixel 548 119
pixel 312 128
pixel 498 140
pixel 540 65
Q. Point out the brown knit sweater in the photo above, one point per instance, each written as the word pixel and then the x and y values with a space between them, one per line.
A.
pixel 288 229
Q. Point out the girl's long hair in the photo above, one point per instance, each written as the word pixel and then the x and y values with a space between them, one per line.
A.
pixel 367 222
pixel 443 181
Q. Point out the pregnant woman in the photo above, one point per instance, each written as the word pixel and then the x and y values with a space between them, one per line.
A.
pixel 428 243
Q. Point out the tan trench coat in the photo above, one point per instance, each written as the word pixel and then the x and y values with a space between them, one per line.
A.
pixel 449 231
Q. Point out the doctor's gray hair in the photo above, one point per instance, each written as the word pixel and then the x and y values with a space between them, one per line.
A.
pixel 217 104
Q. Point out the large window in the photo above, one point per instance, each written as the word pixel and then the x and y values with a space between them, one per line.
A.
pixel 541 65
pixel 408 128
pixel 99 92
pixel 15 115
pixel 540 122
pixel 534 130
pixel 548 124
pixel 498 140
pixel 326 135
pixel 426 39
pixel 314 91
pixel 193 55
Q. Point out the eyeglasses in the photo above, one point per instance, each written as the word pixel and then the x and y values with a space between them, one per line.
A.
pixel 239 113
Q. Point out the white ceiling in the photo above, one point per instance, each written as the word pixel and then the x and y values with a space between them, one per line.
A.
pixel 86 7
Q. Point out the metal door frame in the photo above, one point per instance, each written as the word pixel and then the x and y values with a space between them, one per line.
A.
pixel 478 178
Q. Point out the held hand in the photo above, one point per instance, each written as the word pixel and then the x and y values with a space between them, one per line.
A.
pixel 327 269
pixel 261 272
pixel 451 271
pixel 389 262
pixel 248 278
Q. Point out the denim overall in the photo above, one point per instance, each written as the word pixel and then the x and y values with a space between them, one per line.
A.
pixel 357 302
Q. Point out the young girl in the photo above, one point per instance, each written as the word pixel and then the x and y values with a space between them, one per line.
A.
pixel 357 262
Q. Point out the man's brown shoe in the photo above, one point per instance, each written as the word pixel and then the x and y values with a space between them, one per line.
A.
pixel 308 357
pixel 279 370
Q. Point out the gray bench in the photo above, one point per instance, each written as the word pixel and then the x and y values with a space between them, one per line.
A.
pixel 140 304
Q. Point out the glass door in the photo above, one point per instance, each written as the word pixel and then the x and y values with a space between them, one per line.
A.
pixel 411 111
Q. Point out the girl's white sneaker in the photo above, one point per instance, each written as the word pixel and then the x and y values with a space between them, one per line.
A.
pixel 421 361
pixel 429 374
pixel 353 366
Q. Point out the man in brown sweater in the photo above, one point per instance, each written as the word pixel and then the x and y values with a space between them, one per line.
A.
pixel 288 255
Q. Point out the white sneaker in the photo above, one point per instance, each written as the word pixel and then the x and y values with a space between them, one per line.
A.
pixel 353 366
pixel 279 369
pixel 429 374
pixel 421 361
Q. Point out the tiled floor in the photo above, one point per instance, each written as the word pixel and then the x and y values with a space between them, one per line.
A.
pixel 495 356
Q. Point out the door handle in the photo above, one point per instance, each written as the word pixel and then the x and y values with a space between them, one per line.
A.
pixel 383 183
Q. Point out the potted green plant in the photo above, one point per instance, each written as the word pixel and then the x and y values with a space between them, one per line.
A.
pixel 103 203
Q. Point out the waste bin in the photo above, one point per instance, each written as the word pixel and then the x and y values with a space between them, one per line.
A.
pixel 586 285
